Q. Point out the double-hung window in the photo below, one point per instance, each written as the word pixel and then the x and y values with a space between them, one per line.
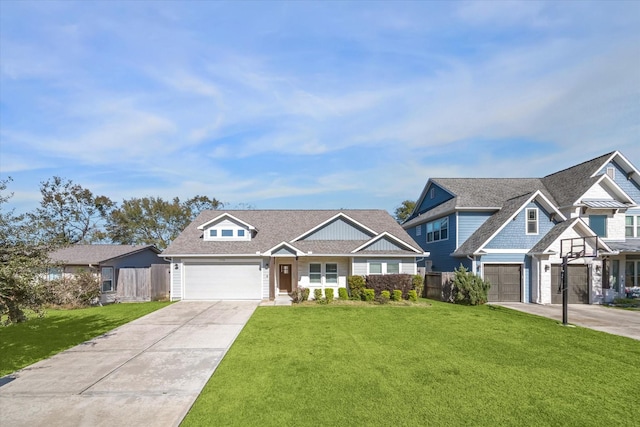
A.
pixel 632 226
pixel 315 273
pixel 532 221
pixel 331 273
pixel 107 279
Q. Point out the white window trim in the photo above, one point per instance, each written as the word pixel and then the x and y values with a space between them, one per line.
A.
pixel 383 263
pixel 527 221
pixel 611 172
pixel 418 230
pixel 321 275
pixel 234 233
pixel 635 226
pixel 446 219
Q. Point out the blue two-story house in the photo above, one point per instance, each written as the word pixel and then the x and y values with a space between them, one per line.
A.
pixel 510 230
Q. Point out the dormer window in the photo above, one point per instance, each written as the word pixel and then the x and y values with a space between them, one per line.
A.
pixel 240 233
pixel 226 228
pixel 227 233
pixel 213 233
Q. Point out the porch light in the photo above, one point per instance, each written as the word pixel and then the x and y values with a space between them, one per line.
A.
pixel 546 268
pixel 175 266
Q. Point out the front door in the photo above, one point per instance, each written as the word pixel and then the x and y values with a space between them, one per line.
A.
pixel 284 279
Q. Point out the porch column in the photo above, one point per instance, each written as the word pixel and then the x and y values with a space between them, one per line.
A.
pixel 272 278
pixel 294 275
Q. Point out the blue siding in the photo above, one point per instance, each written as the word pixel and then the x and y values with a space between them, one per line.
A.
pixel 440 197
pixel 505 258
pixel 629 186
pixel 440 251
pixel 339 229
pixel 469 222
pixel 514 235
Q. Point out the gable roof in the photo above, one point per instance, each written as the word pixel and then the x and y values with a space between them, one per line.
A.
pixel 278 226
pixel 556 232
pixel 498 220
pixel 96 254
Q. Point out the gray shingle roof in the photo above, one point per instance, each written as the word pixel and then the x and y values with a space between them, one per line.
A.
pixel 276 226
pixel 95 254
pixel 552 235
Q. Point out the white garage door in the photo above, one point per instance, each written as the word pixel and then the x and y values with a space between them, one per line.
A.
pixel 207 281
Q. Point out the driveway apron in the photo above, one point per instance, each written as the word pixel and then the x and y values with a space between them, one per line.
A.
pixel 606 319
pixel 147 372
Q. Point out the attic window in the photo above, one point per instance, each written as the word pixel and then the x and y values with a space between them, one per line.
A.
pixel 213 233
pixel 227 233
pixel 532 221
pixel 432 193
pixel 611 172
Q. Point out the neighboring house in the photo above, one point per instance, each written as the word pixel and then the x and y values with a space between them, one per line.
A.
pixel 259 254
pixel 509 230
pixel 103 260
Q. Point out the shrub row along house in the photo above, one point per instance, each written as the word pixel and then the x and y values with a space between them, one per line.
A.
pixel 260 254
pixel 509 231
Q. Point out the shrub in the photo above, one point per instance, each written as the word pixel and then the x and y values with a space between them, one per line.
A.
pixel 305 294
pixel 298 295
pixel 384 297
pixel 317 295
pixel 356 286
pixel 396 295
pixel 389 282
pixel 328 294
pixel 413 296
pixel 417 282
pixel 369 294
pixel 469 288
pixel 343 294
pixel 79 290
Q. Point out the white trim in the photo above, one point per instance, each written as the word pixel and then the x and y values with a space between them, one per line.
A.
pixel 505 251
pixel 383 266
pixel 382 235
pixel 297 251
pixel 336 216
pixel 527 221
pixel 533 197
pixel 612 185
pixel 228 215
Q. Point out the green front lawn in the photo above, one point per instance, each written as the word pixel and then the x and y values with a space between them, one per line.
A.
pixel 26 343
pixel 399 366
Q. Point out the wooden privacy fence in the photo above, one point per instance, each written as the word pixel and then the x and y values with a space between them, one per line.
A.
pixel 438 285
pixel 143 284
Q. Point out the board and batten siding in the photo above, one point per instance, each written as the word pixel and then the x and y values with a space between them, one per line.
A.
pixel 339 229
pixel 176 279
pixel 383 244
pixel 440 196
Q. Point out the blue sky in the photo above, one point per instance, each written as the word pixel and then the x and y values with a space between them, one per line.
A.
pixel 310 104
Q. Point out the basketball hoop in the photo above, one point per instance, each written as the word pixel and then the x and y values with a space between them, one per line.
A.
pixel 572 249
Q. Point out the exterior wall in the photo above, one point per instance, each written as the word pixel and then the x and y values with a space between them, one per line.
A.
pixel 439 251
pixel 628 185
pixel 303 273
pixel 175 288
pixel 440 197
pixel 339 229
pixel 615 222
pixel 598 192
pixel 359 267
pixel 408 266
pixel 468 223
pixel 514 236
pixel 265 278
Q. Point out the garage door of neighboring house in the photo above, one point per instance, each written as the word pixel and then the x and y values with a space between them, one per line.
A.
pixel 228 281
pixel 578 284
pixel 506 282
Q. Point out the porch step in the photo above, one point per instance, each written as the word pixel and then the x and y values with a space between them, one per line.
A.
pixel 282 300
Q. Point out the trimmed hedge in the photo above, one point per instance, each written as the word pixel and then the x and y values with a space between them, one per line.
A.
pixel 369 294
pixel 328 294
pixel 356 286
pixel 343 294
pixel 390 282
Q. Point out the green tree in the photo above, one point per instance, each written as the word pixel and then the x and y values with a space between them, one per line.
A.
pixel 23 260
pixel 69 213
pixel 153 220
pixel 469 288
pixel 403 211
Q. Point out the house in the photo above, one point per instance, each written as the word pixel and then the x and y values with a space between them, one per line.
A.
pixel 106 261
pixel 260 254
pixel 511 231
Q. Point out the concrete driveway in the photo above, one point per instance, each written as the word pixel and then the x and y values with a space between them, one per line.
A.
pixel 147 372
pixel 611 320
